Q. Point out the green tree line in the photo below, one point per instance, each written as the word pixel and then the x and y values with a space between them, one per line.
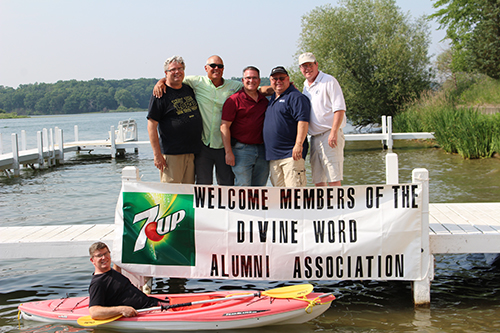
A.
pixel 69 97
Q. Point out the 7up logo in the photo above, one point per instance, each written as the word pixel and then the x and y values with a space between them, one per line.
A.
pixel 155 230
pixel 158 229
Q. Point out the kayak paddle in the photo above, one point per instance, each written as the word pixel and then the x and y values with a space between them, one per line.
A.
pixel 282 292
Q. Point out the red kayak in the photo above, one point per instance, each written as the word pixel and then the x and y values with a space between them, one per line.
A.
pixel 203 311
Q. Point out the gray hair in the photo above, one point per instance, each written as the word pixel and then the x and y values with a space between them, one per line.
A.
pixel 177 59
pixel 97 246
pixel 253 68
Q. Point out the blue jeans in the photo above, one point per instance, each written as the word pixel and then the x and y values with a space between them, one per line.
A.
pixel 251 167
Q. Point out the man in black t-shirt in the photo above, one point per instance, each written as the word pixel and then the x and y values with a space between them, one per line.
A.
pixel 175 126
pixel 110 292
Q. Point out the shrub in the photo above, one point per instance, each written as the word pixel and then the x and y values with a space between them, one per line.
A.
pixel 457 130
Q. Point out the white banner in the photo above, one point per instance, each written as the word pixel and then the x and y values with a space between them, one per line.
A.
pixel 317 233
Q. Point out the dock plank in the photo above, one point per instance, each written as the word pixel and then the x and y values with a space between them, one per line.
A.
pixel 491 210
pixel 10 234
pixel 52 241
pixel 436 227
pixel 453 224
pixel 483 237
pixel 453 216
pixel 476 216
pixel 41 234
pixel 25 232
pixel 69 234
pixel 96 232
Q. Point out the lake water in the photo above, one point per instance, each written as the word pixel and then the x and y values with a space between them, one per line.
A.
pixel 465 294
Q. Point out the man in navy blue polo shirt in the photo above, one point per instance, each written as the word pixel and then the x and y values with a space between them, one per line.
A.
pixel 285 130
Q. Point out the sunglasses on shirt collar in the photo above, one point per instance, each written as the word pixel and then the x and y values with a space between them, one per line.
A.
pixel 220 66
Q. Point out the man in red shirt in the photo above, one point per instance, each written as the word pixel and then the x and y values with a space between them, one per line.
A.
pixel 241 129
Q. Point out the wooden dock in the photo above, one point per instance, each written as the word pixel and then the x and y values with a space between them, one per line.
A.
pixel 52 241
pixel 447 228
pixel 386 136
pixel 51 148
pixel 464 228
pixel 453 228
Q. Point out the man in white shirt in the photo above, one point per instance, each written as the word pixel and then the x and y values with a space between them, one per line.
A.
pixel 326 123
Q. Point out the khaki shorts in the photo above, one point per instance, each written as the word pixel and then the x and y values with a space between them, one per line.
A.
pixel 288 173
pixel 180 169
pixel 327 163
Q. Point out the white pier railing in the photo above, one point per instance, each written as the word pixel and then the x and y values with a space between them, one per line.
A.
pixel 51 147
pixel 387 137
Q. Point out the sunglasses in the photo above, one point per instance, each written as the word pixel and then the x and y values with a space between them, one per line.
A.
pixel 220 66
pixel 280 78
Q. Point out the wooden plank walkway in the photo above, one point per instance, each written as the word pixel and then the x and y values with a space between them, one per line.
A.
pixel 52 241
pixel 464 228
pixel 32 156
pixel 453 228
pixel 51 147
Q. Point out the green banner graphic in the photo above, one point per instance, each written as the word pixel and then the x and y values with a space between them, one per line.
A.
pixel 158 229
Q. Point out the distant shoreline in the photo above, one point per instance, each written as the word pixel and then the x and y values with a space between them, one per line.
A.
pixel 14 115
pixel 11 115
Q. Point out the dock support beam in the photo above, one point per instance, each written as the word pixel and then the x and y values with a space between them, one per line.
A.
pixel 422 288
pixel 391 168
pixel 112 138
pixel 52 153
pixel 23 140
pixel 39 142
pixel 60 145
pixel 76 133
pixel 15 154
pixel 388 142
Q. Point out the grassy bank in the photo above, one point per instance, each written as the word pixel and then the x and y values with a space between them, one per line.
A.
pixel 452 114
pixel 10 115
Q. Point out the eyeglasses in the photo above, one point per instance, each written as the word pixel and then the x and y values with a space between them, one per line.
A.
pixel 220 66
pixel 307 65
pixel 281 78
pixel 178 69
pixel 100 255
pixel 251 78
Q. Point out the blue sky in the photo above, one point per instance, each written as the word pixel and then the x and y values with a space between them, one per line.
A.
pixel 52 40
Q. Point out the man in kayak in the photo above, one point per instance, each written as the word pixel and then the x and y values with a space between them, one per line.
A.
pixel 110 293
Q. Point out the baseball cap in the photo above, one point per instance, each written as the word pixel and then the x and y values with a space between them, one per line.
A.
pixel 306 57
pixel 279 69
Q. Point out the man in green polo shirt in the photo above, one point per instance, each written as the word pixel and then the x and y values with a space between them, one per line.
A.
pixel 211 92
